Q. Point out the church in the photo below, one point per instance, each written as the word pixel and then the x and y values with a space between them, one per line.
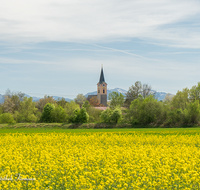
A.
pixel 101 90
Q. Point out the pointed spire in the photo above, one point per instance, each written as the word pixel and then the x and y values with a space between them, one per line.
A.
pixel 101 80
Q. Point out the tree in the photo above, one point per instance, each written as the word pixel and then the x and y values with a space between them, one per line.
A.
pixel 86 105
pixel 111 115
pixel 7 118
pixel 116 99
pixel 12 101
pixel 59 115
pixel 181 99
pixel 46 114
pixel 80 99
pixel 43 101
pixel 61 102
pixel 27 111
pixel 194 93
pixel 70 107
pixel 168 97
pixel 94 101
pixel 94 114
pixel 136 90
pixel 80 116
pixel 8 105
pixel 145 110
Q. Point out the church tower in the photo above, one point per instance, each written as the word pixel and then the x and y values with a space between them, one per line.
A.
pixel 102 89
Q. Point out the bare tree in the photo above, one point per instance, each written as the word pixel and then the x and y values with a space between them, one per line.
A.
pixel 80 99
pixel 43 101
pixel 135 90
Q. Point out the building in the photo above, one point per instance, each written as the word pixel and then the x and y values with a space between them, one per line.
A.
pixel 101 90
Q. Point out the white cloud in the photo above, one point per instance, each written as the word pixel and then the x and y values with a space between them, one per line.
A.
pixel 98 21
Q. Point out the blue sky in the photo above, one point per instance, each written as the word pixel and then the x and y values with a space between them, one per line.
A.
pixel 56 47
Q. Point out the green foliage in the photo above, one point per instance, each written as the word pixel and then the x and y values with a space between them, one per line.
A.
pixel 59 115
pixel 86 105
pixel 27 111
pixel 111 115
pixel 46 114
pixel 70 107
pixel 193 113
pixel 94 114
pixel 116 99
pixel 106 115
pixel 145 110
pixel 1 109
pixel 181 99
pixel 7 118
pixel 80 116
pixel 195 92
pixel 61 102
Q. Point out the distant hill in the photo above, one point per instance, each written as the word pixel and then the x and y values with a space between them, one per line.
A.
pixel 35 99
pixel 159 95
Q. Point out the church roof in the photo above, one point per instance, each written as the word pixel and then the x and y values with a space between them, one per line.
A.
pixel 101 80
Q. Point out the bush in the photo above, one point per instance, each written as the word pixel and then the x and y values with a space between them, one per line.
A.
pixel 146 111
pixel 7 118
pixel 111 116
pixel 94 114
pixel 80 116
pixel 58 115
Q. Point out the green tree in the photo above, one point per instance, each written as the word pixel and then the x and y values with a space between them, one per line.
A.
pixel 27 111
pixel 181 99
pixel 61 102
pixel 145 110
pixel 194 93
pixel 70 107
pixel 94 114
pixel 46 114
pixel 80 116
pixel 116 99
pixel 193 112
pixel 86 105
pixel 59 115
pixel 111 115
pixel 7 118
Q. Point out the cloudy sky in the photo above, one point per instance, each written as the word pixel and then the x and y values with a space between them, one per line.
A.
pixel 56 47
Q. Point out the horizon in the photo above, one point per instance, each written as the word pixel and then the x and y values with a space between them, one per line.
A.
pixel 57 47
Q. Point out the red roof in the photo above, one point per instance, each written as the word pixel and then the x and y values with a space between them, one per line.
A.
pixel 101 108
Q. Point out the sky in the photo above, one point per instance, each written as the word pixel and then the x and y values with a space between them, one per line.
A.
pixel 57 47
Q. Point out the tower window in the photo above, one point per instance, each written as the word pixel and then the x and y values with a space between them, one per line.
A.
pixel 104 91
pixel 98 91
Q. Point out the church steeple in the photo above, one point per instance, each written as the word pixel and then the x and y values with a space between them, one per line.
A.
pixel 101 80
pixel 102 89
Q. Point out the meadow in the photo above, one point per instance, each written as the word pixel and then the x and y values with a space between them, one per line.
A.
pixel 100 158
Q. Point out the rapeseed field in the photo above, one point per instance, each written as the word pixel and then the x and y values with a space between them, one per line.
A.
pixel 107 160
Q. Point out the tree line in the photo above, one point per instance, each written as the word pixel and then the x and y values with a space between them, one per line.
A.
pixel 139 108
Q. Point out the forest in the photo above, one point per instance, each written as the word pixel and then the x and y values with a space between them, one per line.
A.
pixel 138 108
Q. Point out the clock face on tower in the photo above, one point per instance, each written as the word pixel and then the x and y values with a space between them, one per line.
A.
pixel 103 84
